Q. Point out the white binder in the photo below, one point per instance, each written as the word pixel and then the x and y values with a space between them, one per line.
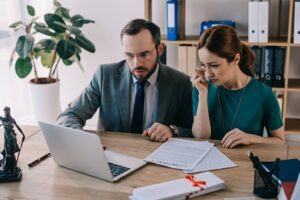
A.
pixel 253 21
pixel 297 23
pixel 263 21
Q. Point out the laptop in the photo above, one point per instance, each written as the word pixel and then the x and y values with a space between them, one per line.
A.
pixel 82 151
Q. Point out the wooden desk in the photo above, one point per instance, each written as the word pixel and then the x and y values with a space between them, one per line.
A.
pixel 49 181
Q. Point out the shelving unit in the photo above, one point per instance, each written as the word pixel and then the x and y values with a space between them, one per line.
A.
pixel 291 125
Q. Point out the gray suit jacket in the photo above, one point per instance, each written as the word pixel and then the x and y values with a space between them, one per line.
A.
pixel 110 91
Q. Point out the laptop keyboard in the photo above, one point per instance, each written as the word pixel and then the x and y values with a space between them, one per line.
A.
pixel 116 170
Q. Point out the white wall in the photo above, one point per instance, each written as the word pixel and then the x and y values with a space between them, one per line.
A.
pixel 110 17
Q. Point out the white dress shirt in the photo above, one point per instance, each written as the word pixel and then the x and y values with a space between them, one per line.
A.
pixel 150 100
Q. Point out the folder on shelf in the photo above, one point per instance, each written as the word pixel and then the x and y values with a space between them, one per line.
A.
pixel 172 20
pixel 297 23
pixel 253 21
pixel 183 58
pixel 210 23
pixel 183 188
pixel 192 59
pixel 268 65
pixel 279 58
pixel 263 21
pixel 258 61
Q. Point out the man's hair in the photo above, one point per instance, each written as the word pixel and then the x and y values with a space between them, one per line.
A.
pixel 137 25
pixel 6 108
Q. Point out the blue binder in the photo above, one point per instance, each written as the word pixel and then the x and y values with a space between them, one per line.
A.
pixel 172 20
pixel 258 61
pixel 268 57
pixel 210 23
pixel 279 57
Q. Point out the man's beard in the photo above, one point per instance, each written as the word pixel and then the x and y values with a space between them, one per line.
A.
pixel 145 69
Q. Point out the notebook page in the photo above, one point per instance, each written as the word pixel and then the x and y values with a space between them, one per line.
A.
pixel 179 153
pixel 214 159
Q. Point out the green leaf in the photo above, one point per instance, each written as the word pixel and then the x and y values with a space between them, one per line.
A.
pixel 65 49
pixel 50 20
pixel 85 43
pixel 24 45
pixel 44 30
pixel 67 62
pixel 23 67
pixel 48 58
pixel 56 3
pixel 63 12
pixel 45 44
pixel 72 29
pixel 78 21
pixel 30 10
pixel 40 24
pixel 16 24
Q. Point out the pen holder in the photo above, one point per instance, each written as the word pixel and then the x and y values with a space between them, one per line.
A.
pixel 265 185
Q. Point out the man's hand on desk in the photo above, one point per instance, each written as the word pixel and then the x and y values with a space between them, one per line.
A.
pixel 237 137
pixel 158 132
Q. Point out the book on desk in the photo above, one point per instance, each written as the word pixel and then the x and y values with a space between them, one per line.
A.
pixel 183 188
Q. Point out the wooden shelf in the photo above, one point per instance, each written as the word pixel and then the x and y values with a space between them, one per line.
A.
pixel 273 41
pixel 294 85
pixel 278 89
pixel 193 40
pixel 189 39
pixel 295 45
pixel 292 126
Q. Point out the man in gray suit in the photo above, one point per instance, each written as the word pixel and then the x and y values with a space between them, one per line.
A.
pixel 138 94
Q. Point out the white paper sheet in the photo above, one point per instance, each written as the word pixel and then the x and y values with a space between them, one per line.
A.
pixel 214 159
pixel 180 153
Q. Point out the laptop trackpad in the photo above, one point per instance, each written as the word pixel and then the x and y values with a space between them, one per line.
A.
pixel 123 160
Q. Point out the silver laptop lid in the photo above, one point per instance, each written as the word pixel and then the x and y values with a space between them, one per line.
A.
pixel 77 150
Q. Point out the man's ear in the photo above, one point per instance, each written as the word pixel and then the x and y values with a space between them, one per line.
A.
pixel 161 49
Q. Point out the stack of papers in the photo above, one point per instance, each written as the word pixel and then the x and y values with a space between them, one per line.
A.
pixel 190 156
pixel 179 189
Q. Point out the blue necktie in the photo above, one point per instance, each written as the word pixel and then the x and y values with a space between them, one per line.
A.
pixel 138 112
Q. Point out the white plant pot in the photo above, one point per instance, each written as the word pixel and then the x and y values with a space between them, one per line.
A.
pixel 46 101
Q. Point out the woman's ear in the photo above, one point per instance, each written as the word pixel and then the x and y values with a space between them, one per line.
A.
pixel 161 49
pixel 237 59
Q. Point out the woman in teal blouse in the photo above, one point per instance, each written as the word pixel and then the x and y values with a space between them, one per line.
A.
pixel 232 106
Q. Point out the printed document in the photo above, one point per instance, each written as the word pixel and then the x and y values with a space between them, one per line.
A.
pixel 180 153
pixel 214 159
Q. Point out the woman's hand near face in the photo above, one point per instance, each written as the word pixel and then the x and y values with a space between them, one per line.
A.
pixel 198 79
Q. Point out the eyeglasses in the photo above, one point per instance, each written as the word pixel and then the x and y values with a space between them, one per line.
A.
pixel 145 55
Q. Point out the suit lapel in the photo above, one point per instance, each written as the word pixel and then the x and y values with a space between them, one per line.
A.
pixel 165 90
pixel 123 95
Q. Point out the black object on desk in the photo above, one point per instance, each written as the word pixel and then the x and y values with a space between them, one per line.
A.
pixel 266 184
pixel 37 161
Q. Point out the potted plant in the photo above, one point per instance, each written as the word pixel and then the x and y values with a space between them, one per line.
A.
pixel 64 42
